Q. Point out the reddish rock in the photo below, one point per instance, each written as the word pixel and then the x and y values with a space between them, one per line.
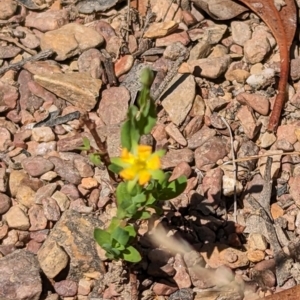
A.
pixel 37 166
pixel 114 105
pixel 66 288
pixel 164 288
pixel 51 209
pixel 37 218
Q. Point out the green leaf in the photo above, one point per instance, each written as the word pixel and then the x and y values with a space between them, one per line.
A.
pixel 122 193
pixel 142 215
pixel 86 144
pixel 130 229
pixel 102 237
pixel 130 132
pixel 172 189
pixel 115 168
pixel 120 235
pixel 114 223
pixel 147 77
pixel 131 254
pixel 95 158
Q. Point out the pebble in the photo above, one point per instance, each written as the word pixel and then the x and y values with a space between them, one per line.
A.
pixel 241 32
pixel 258 80
pixel 123 65
pixel 178 103
pixel 267 139
pixel 51 209
pixel 200 137
pixel 175 134
pixel 66 288
pixel 48 20
pixel 177 37
pixel 248 122
pixel 210 68
pixel 259 103
pixel 79 89
pixel 24 268
pixel 207 155
pixel 5 203
pixel 162 29
pixel 25 195
pixel 90 62
pixel 38 221
pixel 256 49
pixel 70 39
pixel 52 258
pixel 7 9
pixel 37 166
pixel 114 105
pixel 181 277
pixel 16 218
pixel 174 157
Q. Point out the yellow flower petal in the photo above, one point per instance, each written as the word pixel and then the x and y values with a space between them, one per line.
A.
pixel 144 177
pixel 144 151
pixel 154 162
pixel 128 174
pixel 126 156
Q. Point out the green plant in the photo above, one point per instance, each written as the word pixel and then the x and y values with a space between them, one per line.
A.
pixel 94 157
pixel 144 183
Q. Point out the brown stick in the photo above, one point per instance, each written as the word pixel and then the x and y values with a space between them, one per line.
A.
pixel 102 147
pixel 109 68
pixel 16 66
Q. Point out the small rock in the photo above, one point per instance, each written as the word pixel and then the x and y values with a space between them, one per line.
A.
pixel 162 29
pixel 200 50
pixel 174 157
pixel 89 183
pixel 164 288
pixel 181 277
pixel 66 170
pixel 256 49
pixel 175 51
pixel 16 218
pixel 30 40
pixel 23 267
pixel 123 65
pixel 212 186
pixel 48 20
pixel 248 122
pixel 105 29
pixel 255 255
pixel 26 195
pixel 200 137
pixel 8 97
pixel 217 255
pixel 257 241
pixel 66 288
pixel 52 258
pixel 68 234
pixel 178 103
pixel 79 89
pixel 267 139
pixel 207 155
pixel 51 209
pixel 211 68
pixel 70 39
pixel 43 134
pixel 231 186
pixel 237 75
pixel 7 9
pixel 177 37
pixel 62 200
pixel 37 166
pixel 276 211
pixel 258 102
pixel 44 192
pixel 175 134
pixel 183 168
pixel 114 105
pixel 90 62
pixel 294 69
pixel 241 32
pixel 259 80
pixel 5 203
pixel 276 163
pixel 287 132
pixel 37 218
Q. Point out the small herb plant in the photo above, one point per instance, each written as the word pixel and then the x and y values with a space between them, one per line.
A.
pixel 144 183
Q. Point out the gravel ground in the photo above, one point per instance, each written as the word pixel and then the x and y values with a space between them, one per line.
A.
pixel 232 234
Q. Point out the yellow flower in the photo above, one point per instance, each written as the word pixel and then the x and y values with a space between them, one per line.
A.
pixel 140 165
